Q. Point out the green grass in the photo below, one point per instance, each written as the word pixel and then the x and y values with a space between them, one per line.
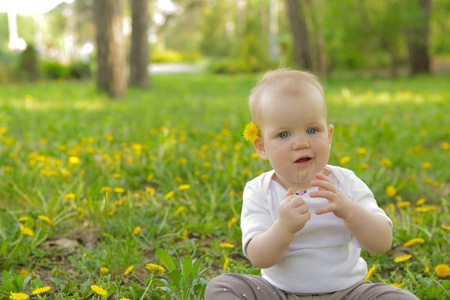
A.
pixel 177 155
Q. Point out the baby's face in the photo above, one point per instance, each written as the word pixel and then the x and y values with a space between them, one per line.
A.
pixel 295 135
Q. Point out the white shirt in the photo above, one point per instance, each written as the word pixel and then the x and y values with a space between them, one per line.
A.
pixel 323 257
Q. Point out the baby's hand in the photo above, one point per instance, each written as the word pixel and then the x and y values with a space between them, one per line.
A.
pixel 338 202
pixel 293 213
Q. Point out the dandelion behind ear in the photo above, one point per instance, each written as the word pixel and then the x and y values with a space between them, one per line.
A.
pixel 251 132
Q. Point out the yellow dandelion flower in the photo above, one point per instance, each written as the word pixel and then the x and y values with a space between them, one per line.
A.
pixel 46 220
pixel 26 231
pixel 361 151
pixel 254 155
pixel 427 269
pixel 106 189
pixel 421 209
pixel 226 264
pixel 80 212
pixel 24 272
pixel 445 227
pixel 403 204
pixel 185 234
pixel 182 161
pixel 370 272
pixel 386 162
pixel 128 270
pixel 391 191
pixel 18 296
pixel 41 290
pixel 413 242
pixel 149 177
pixel 69 196
pixel 73 160
pixel 118 202
pixel 98 290
pixel 137 230
pixel 104 270
pixel 420 201
pixel 251 132
pixel 226 245
pixel 119 190
pixel 116 175
pixel 150 190
pixel 184 187
pixel 124 299
pixel 23 219
pixel 157 268
pixel 445 146
pixel 426 165
pixel 402 258
pixel 442 270
pixel 231 222
pixel 180 210
pixel 398 285
pixel 344 160
pixel 169 195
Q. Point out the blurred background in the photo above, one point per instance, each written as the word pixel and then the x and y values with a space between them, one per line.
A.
pixel 62 39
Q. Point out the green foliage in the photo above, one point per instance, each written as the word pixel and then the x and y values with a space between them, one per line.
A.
pixel 29 63
pixel 54 70
pixel 166 56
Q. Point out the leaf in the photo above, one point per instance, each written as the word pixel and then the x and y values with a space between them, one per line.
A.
pixel 175 278
pixel 166 259
pixel 9 285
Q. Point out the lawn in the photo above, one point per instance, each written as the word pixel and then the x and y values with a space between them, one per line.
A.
pixel 140 198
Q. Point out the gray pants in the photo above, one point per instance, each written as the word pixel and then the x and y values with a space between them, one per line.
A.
pixel 251 287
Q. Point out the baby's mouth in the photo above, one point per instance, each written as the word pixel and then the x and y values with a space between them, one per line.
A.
pixel 303 159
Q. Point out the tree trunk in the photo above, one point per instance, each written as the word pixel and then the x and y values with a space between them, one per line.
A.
pixel 302 52
pixel 111 58
pixel 417 40
pixel 139 44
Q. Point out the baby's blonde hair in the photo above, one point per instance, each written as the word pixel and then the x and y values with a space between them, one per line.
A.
pixel 281 81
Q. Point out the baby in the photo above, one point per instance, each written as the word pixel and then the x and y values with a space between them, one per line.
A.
pixel 304 222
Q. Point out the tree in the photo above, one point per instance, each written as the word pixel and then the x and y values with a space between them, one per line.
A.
pixel 111 58
pixel 302 52
pixel 139 44
pixel 417 38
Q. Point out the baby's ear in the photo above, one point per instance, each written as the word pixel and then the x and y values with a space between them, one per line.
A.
pixel 260 149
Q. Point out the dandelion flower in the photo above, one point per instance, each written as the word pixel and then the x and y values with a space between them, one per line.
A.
pixel 104 270
pixel 445 146
pixel 128 270
pixel 69 196
pixel 420 201
pixel 445 227
pixel 124 299
pixel 398 285
pixel 23 219
pixel 18 296
pixel 180 210
pixel 26 231
pixel 361 151
pixel 344 160
pixel 370 272
pixel 442 270
pixel 231 222
pixel 119 190
pixel 106 189
pixel 184 187
pixel 73 160
pixel 386 162
pixel 41 290
pixel 98 290
pixel 226 264
pixel 413 242
pixel 426 165
pixel 391 191
pixel 251 132
pixel 403 204
pixel 402 258
pixel 169 195
pixel 226 245
pixel 24 272
pixel 157 268
pixel 427 269
pixel 137 230
pixel 421 209
pixel 46 220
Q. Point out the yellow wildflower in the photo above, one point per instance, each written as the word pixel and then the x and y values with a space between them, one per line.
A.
pixel 370 272
pixel 445 146
pixel 226 264
pixel 23 219
pixel 116 175
pixel 18 296
pixel 442 270
pixel 344 160
pixel 445 227
pixel 157 268
pixel 46 220
pixel 226 245
pixel 137 230
pixel 128 270
pixel 391 191
pixel 26 231
pixel 73 160
pixel 69 196
pixel 413 242
pixel 41 290
pixel 185 234
pixel 24 272
pixel 180 210
pixel 106 189
pixel 150 190
pixel 427 269
pixel 184 187
pixel 402 258
pixel 231 222
pixel 386 162
pixel 420 201
pixel 426 165
pixel 124 299
pixel 119 190
pixel 398 285
pixel 118 202
pixel 251 132
pixel 169 195
pixel 98 290
pixel 80 212
pixel 403 204
pixel 104 270
pixel 421 209
pixel 149 177
pixel 361 151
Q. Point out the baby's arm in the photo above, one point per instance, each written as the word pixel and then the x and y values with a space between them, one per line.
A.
pixel 267 248
pixel 372 231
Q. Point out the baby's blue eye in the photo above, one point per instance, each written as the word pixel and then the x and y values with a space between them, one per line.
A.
pixel 283 135
pixel 311 130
